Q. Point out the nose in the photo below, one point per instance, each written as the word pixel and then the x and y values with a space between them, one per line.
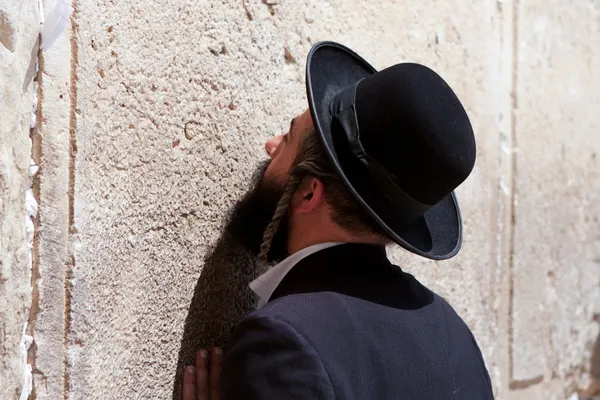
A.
pixel 272 145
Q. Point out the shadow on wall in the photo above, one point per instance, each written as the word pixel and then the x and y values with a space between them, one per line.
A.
pixel 221 299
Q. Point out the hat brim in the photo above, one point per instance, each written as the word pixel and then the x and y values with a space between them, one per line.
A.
pixel 330 68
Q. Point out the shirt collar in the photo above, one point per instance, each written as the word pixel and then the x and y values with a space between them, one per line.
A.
pixel 265 285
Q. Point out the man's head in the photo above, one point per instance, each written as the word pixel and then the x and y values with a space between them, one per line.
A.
pixel 377 159
pixel 300 200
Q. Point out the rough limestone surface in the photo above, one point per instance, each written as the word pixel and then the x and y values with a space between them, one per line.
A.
pixel 19 27
pixel 557 225
pixel 154 118
pixel 173 120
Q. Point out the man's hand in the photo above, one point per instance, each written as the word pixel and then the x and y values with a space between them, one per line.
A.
pixel 203 382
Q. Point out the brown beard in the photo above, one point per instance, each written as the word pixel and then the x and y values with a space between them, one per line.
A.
pixel 253 212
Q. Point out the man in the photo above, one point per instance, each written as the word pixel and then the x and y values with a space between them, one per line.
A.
pixel 373 161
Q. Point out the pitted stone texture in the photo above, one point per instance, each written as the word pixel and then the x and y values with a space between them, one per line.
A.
pixel 557 240
pixel 19 26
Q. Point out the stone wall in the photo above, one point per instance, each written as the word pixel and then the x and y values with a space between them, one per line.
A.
pixel 153 116
pixel 19 27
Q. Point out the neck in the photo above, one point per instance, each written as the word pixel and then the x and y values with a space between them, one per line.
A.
pixel 299 239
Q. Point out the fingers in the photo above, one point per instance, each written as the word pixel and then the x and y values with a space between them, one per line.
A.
pixel 189 383
pixel 205 378
pixel 202 375
pixel 216 360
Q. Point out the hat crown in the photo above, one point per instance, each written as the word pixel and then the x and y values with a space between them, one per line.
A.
pixel 413 124
pixel 400 141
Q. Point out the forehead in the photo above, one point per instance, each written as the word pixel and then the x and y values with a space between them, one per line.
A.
pixel 301 123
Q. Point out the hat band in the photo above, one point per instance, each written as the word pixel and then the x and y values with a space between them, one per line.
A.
pixel 405 208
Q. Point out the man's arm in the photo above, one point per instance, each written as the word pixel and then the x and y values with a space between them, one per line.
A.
pixel 268 359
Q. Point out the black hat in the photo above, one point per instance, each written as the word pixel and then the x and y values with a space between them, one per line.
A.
pixel 401 141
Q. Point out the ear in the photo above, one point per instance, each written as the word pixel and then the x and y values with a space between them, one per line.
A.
pixel 309 195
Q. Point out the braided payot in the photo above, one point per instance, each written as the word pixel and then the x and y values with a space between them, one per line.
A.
pixel 309 166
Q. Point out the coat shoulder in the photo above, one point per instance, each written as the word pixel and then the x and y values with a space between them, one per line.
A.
pixel 267 358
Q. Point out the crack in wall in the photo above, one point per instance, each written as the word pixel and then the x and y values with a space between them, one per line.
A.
pixel 67 325
pixel 512 173
pixel 524 384
pixel 73 114
pixel 247 10
pixel 36 155
pixel 70 265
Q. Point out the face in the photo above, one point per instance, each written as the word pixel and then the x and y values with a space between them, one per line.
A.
pixel 282 149
pixel 253 213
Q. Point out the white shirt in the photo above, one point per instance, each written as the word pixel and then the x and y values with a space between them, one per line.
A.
pixel 265 285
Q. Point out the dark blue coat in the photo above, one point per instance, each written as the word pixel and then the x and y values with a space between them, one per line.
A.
pixel 347 324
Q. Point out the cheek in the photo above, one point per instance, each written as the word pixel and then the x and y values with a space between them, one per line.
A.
pixel 277 171
pixel 281 163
